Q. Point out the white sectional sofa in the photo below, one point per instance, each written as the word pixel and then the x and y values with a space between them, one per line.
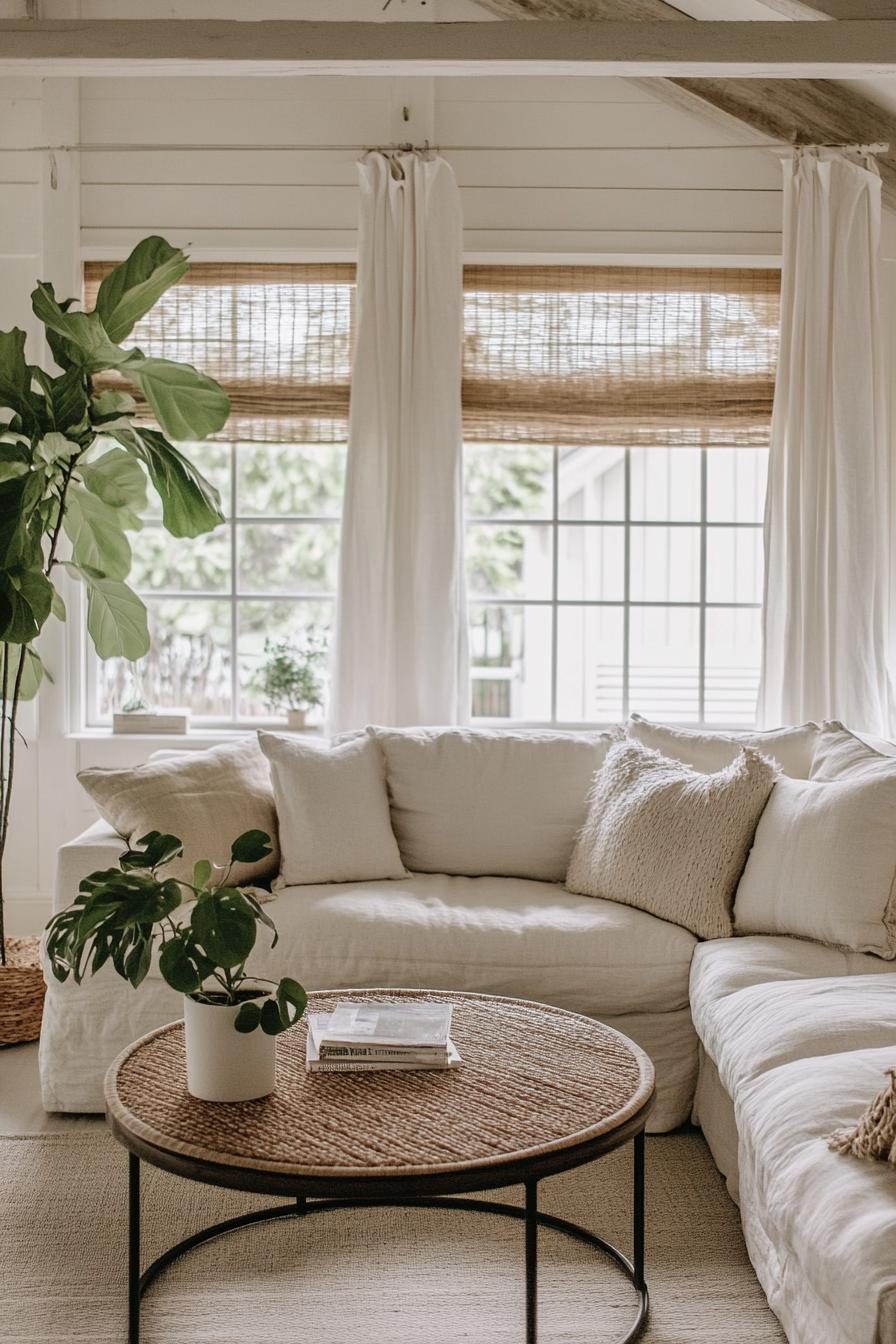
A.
pixel 769 1042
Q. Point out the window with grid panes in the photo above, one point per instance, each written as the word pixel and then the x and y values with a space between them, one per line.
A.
pixel 616 426
pixel 278 338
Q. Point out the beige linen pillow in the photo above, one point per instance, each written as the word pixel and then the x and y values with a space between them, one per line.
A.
pixel 840 754
pixel 792 748
pixel 670 839
pixel 480 802
pixel 823 864
pixel 333 809
pixel 206 798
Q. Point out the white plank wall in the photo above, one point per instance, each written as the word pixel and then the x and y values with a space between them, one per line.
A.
pixel 21 117
pixel 544 165
pixel 587 169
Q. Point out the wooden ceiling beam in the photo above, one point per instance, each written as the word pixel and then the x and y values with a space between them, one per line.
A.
pixel 84 47
pixel 811 111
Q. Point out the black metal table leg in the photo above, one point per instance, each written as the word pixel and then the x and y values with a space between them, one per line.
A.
pixel 531 1261
pixel 638 1211
pixel 133 1249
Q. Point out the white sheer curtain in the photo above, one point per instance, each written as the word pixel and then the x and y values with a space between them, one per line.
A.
pixel 400 654
pixel 827 510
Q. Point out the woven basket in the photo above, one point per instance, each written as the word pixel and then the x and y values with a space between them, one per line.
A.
pixel 21 992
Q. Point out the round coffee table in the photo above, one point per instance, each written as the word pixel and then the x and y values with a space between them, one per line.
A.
pixel 540 1091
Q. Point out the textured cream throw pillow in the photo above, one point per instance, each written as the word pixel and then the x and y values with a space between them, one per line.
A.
pixel 334 811
pixel 206 798
pixel 668 838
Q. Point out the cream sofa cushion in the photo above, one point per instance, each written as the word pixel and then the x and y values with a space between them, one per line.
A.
pixel 206 798
pixel 476 801
pixel 820 1228
pixel 823 864
pixel 333 810
pixel 670 839
pixel 489 935
pixel 763 1026
pixel 722 968
pixel 840 754
pixel 792 748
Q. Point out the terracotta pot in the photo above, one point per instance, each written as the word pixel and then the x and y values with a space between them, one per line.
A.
pixel 224 1064
pixel 22 992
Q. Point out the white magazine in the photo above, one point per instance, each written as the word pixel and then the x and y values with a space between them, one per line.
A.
pixel 374 1023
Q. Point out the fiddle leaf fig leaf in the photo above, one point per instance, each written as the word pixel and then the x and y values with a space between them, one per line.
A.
pixel 13 368
pixel 15 380
pixel 116 478
pixel 116 617
pixel 131 289
pixel 33 674
pixel 110 404
pixel 87 342
pixel 190 505
pixel 186 403
pixel 19 496
pixel 68 401
pixel 94 530
pixel 54 446
pixel 26 596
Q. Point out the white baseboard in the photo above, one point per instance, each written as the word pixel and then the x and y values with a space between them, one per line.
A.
pixel 26 912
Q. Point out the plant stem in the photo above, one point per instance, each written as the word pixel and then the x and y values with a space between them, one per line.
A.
pixel 9 718
pixel 4 676
pixel 10 703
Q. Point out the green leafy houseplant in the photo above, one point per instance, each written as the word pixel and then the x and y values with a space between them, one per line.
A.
pixel 74 463
pixel 122 914
pixel 290 678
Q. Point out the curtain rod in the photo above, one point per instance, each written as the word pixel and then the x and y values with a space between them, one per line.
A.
pixel 874 148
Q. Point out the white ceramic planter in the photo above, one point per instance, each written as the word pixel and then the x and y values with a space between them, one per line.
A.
pixel 295 719
pixel 224 1064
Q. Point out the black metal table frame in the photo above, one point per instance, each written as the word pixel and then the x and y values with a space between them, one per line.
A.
pixel 311 1195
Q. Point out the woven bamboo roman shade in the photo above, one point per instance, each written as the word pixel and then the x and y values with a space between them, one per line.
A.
pixel 552 354
pixel 277 337
pixel 621 356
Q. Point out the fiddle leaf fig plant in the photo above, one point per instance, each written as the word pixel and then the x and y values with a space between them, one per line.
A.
pixel 75 461
pixel 124 914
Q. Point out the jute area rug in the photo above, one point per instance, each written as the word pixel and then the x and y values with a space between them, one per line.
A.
pixel 365 1277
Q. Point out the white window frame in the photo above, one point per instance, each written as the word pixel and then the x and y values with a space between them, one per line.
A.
pixel 627 604
pixel 70 700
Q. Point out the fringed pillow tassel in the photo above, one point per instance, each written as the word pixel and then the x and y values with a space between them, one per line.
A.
pixel 875 1134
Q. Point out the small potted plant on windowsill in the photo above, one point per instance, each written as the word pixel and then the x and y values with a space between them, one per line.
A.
pixel 231 1018
pixel 289 678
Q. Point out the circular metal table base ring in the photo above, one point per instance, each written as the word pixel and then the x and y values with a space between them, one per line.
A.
pixel 301 1209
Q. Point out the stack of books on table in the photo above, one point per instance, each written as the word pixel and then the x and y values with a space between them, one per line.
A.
pixel 365 1037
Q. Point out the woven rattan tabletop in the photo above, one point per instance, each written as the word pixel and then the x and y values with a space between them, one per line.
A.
pixel 535 1080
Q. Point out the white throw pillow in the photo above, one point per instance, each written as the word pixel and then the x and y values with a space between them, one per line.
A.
pixel 792 748
pixel 668 838
pixel 479 802
pixel 206 798
pixel 333 811
pixel 840 754
pixel 823 864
